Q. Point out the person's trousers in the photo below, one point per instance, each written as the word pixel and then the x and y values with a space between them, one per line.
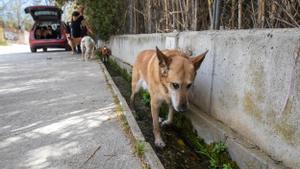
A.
pixel 78 49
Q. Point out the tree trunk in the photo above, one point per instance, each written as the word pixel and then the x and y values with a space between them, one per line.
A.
pixel 272 15
pixel 240 14
pixel 134 17
pixel 148 17
pixel 166 15
pixel 186 12
pixel 130 9
pixel 177 14
pixel 232 18
pixel 195 21
pixel 182 14
pixel 172 9
pixel 261 13
pixel 210 13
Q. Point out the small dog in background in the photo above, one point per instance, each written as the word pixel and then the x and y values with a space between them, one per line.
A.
pixel 105 53
pixel 88 47
pixel 73 42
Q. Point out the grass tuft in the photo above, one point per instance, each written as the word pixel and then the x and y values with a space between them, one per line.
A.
pixel 145 97
pixel 140 148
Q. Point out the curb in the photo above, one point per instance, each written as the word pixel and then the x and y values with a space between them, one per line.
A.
pixel 150 156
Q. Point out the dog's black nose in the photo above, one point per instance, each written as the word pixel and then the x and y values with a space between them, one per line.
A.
pixel 182 107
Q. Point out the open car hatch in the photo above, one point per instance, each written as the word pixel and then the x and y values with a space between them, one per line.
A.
pixel 44 13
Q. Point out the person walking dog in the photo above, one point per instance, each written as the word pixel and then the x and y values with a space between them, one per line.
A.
pixel 76 31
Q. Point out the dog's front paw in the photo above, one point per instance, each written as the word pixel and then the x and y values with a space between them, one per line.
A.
pixel 159 143
pixel 165 123
pixel 160 119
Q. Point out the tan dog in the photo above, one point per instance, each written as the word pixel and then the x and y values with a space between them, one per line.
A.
pixel 73 42
pixel 105 53
pixel 168 76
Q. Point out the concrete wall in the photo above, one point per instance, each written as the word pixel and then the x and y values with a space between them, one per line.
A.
pixel 244 82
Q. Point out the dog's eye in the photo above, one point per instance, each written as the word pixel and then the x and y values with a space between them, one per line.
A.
pixel 189 85
pixel 175 85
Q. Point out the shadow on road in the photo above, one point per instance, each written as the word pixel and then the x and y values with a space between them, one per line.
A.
pixel 56 113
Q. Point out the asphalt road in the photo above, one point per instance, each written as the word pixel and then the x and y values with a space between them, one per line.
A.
pixel 56 112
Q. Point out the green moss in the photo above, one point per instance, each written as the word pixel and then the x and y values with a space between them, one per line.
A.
pixel 286 131
pixel 288 108
pixel 250 107
pixel 119 108
pixel 140 148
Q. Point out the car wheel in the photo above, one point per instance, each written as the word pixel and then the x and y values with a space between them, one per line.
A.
pixel 45 49
pixel 68 48
pixel 33 50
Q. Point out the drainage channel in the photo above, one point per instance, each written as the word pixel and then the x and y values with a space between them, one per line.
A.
pixel 178 153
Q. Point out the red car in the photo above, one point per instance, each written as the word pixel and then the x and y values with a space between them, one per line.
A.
pixel 48 31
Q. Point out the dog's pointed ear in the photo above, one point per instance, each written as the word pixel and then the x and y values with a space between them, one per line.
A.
pixel 164 61
pixel 198 60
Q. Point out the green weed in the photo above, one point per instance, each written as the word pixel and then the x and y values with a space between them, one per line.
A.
pixel 145 97
pixel 216 152
pixel 117 68
pixel 98 55
pixel 140 148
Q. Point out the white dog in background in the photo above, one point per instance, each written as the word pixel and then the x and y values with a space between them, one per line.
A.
pixel 88 48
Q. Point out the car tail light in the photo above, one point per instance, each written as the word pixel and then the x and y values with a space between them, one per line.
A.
pixel 63 35
pixel 31 35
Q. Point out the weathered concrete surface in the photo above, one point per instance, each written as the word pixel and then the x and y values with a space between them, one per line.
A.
pixel 126 47
pixel 243 82
pixel 149 156
pixel 56 112
pixel 244 152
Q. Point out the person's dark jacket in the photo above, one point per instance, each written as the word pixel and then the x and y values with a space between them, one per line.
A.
pixel 76 27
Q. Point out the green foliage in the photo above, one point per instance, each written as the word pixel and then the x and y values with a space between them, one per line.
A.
pixel 117 68
pixel 98 55
pixel 227 166
pixel 60 3
pixel 104 16
pixel 215 152
pixel 140 148
pixel 145 97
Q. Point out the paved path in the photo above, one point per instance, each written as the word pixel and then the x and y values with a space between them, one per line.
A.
pixel 57 112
